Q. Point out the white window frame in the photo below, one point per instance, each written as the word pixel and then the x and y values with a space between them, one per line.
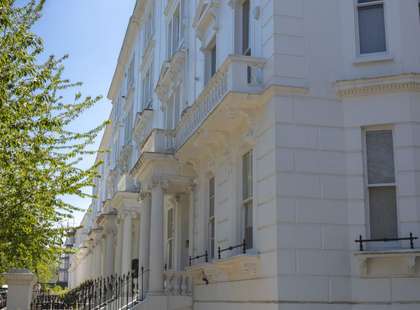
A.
pixel 130 73
pixel 208 60
pixel 245 201
pixel 173 108
pixel 172 46
pixel 211 222
pixel 149 27
pixel 147 88
pixel 367 186
pixel 357 30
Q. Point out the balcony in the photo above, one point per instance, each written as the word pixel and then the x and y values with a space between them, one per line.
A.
pixel 237 75
pixel 158 141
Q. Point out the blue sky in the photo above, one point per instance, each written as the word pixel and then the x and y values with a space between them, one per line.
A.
pixel 91 32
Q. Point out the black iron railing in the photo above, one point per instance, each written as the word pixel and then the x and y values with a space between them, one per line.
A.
pixel 231 248
pixel 3 300
pixel 205 256
pixel 361 241
pixel 113 292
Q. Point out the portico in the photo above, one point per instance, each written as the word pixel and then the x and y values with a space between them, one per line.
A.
pixel 165 195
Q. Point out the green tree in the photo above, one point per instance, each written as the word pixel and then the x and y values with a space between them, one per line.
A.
pixel 39 154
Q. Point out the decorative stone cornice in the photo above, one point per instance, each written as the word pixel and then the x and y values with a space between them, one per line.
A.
pixel 147 158
pixel 125 201
pixel 405 82
pixel 205 16
pixel 170 75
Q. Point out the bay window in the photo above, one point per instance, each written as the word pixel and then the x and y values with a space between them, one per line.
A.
pixel 381 185
pixel 371 24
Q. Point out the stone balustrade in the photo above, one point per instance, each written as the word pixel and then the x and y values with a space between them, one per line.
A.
pixel 158 141
pixel 177 283
pixel 241 74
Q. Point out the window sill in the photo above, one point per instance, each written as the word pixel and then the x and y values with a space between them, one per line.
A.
pixel 233 268
pixel 372 58
pixel 387 262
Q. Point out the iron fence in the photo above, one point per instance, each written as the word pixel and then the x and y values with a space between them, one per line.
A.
pixel 3 300
pixel 114 292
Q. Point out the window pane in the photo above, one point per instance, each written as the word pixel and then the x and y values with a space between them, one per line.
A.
pixel 245 27
pixel 211 197
pixel 380 157
pixel 383 213
pixel 247 175
pixel 211 237
pixel 170 253
pixel 175 33
pixel 170 226
pixel 372 29
pixel 170 39
pixel 248 225
pixel 213 61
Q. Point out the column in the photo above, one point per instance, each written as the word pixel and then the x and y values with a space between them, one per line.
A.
pixel 145 235
pixel 156 259
pixel 109 255
pixel 127 234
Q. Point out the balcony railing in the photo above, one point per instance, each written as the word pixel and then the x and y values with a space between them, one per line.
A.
pixel 241 74
pixel 158 141
pixel 361 241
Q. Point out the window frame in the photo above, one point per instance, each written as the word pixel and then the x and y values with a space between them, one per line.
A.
pixel 368 186
pixel 248 51
pixel 209 56
pixel 147 88
pixel 149 27
pixel 130 73
pixel 357 5
pixel 211 217
pixel 172 46
pixel 248 201
pixel 170 241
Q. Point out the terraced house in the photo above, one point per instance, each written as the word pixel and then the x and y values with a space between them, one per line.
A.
pixel 263 154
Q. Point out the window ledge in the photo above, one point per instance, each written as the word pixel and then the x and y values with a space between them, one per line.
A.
pixel 372 58
pixel 386 262
pixel 234 268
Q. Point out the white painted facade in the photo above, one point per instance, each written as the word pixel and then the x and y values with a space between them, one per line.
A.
pixel 300 105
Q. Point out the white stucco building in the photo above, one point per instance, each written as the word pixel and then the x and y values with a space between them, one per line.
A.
pixel 291 124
